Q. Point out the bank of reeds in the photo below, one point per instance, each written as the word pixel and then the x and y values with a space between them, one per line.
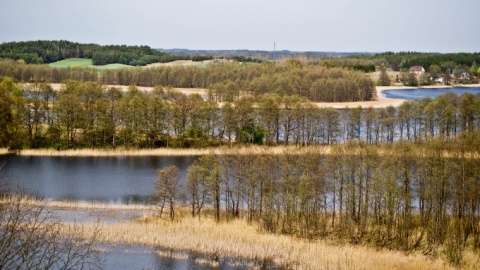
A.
pixel 254 149
pixel 77 205
pixel 239 239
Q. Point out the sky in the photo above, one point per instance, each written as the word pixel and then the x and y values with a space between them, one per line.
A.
pixel 300 25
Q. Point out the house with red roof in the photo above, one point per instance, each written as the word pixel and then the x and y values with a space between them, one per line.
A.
pixel 417 70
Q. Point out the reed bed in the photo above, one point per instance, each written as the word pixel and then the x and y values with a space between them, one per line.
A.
pixel 247 150
pixel 78 205
pixel 239 239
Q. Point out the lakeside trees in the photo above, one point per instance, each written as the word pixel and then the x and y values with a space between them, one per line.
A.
pixel 402 196
pixel 90 115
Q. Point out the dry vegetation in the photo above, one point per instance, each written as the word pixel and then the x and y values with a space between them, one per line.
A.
pixel 239 239
pixel 169 151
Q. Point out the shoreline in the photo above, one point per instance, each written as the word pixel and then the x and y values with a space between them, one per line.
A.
pixel 239 239
pixel 381 102
pixel 234 238
pixel 236 150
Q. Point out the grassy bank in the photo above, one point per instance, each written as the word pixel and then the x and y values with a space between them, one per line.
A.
pixel 169 151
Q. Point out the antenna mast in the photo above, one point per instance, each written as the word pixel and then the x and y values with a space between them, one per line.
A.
pixel 274 50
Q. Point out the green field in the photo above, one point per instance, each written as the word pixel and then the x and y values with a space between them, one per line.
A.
pixel 80 62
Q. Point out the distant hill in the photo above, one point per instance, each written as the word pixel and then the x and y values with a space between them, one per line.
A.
pixel 46 52
pixel 261 55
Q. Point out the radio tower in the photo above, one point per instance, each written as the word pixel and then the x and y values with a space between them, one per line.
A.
pixel 274 50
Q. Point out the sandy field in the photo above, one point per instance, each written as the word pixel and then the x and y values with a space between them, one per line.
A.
pixel 187 63
pixel 187 91
pixel 381 101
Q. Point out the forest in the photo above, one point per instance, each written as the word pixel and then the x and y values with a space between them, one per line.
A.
pixel 45 52
pixel 227 81
pixel 403 196
pixel 89 115
pixel 406 60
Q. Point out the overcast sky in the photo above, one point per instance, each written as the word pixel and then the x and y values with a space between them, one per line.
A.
pixel 299 25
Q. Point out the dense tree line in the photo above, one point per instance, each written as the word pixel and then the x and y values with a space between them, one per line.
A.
pixel 89 115
pixel 405 60
pixel 349 63
pixel 226 81
pixel 405 196
pixel 44 52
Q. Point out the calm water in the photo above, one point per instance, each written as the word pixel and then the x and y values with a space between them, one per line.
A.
pixel 138 257
pixel 417 93
pixel 112 179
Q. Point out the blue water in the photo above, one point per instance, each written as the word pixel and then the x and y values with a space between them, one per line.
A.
pixel 139 257
pixel 111 179
pixel 418 93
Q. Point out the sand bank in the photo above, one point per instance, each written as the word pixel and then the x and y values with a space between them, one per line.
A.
pixel 380 102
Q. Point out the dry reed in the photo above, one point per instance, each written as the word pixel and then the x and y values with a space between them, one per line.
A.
pixel 173 151
pixel 241 240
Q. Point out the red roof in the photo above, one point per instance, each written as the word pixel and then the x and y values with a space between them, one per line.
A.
pixel 417 69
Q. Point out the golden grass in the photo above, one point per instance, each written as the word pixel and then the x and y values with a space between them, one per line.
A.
pixel 241 240
pixel 83 205
pixel 238 150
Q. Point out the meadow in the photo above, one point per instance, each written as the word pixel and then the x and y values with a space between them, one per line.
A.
pixel 81 62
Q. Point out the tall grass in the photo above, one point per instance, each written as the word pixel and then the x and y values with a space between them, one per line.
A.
pixel 239 239
pixel 240 150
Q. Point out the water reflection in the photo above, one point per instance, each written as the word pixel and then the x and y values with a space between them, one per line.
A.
pixel 110 179
pixel 138 257
pixel 418 93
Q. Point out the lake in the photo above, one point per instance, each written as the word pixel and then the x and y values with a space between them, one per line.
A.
pixel 139 257
pixel 109 179
pixel 418 93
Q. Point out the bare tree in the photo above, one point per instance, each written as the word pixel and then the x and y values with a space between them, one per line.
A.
pixel 168 188
pixel 31 239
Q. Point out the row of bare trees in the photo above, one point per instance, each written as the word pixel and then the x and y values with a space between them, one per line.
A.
pixel 403 196
pixel 93 116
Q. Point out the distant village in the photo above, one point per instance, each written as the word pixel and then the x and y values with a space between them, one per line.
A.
pixel 459 75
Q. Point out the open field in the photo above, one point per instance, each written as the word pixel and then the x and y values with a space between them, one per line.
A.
pixel 188 63
pixel 81 62
pixel 73 62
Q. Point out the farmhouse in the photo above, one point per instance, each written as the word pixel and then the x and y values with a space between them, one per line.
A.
pixel 417 70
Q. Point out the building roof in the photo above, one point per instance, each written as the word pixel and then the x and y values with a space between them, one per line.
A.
pixel 417 69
